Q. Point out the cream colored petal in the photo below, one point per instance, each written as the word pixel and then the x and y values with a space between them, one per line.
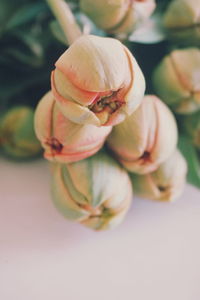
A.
pixel 167 83
pixel 69 91
pixel 98 70
pixel 181 13
pixel 187 66
pixel 133 136
pixel 143 9
pixel 105 14
pixel 81 173
pixel 167 133
pixel 164 184
pixel 73 111
pixel 62 198
pixel 43 117
pixel 144 186
pixel 135 92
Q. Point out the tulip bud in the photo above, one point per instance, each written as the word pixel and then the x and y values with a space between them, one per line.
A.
pixel 62 140
pixel 177 80
pixel 119 16
pixel 182 21
pixel 191 125
pixel 166 183
pixel 145 139
pixel 97 81
pixel 96 191
pixel 18 139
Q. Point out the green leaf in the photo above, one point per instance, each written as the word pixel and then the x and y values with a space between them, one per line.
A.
pixel 57 32
pixel 191 155
pixel 25 14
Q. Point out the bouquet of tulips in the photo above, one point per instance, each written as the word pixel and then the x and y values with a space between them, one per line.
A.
pixel 105 139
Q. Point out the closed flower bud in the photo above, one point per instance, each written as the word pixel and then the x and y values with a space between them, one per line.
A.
pixel 97 81
pixel 164 184
pixel 119 16
pixel 96 191
pixel 62 140
pixel 182 21
pixel 191 126
pixel 177 80
pixel 145 139
pixel 17 135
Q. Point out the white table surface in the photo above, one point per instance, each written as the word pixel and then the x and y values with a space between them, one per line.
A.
pixel 153 255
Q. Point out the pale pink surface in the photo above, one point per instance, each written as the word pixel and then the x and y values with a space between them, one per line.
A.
pixel 153 255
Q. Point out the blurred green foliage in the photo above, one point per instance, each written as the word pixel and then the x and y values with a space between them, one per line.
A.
pixel 28 51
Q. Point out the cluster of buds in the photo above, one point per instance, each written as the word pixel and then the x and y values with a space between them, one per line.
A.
pixel 119 16
pixel 98 97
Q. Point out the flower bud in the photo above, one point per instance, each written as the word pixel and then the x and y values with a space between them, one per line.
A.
pixel 177 80
pixel 164 184
pixel 18 139
pixel 119 16
pixel 191 126
pixel 62 140
pixel 94 86
pixel 181 19
pixel 96 191
pixel 145 139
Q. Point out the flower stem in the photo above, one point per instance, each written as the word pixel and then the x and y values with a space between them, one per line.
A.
pixel 66 19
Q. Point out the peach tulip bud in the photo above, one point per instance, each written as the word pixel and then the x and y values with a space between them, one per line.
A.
pixel 17 136
pixel 166 183
pixel 118 16
pixel 97 81
pixel 181 19
pixel 96 191
pixel 177 80
pixel 62 140
pixel 145 139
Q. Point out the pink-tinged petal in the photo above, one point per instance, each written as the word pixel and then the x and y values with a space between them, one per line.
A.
pixel 70 91
pixel 98 186
pixel 164 184
pixel 94 64
pixel 72 110
pixel 145 139
pixel 63 140
pixel 102 88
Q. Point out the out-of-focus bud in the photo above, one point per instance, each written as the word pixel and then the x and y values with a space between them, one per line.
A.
pixel 96 191
pixel 191 126
pixel 166 183
pixel 145 139
pixel 177 80
pixel 17 135
pixel 119 16
pixel 97 81
pixel 182 21
pixel 62 140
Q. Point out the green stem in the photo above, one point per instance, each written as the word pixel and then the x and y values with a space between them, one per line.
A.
pixel 66 19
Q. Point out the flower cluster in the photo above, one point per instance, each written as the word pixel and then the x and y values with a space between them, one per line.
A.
pixel 97 97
